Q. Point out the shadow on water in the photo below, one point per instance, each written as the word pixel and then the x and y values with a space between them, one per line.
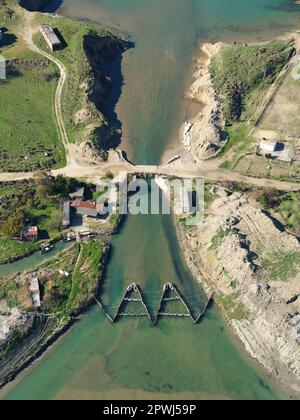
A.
pixel 105 57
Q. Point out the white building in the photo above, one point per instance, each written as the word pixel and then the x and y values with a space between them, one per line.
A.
pixel 34 289
pixel 268 146
pixel 184 202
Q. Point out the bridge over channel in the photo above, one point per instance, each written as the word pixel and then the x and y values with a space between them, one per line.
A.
pixel 181 168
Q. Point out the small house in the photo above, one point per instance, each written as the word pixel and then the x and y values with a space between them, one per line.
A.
pixel 30 234
pixel 268 146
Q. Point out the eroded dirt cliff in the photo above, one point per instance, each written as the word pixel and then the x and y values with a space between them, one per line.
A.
pixel 205 136
pixel 252 265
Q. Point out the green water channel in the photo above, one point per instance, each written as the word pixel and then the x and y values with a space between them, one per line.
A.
pixel 32 261
pixel 132 359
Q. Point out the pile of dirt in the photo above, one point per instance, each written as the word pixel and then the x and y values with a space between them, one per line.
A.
pixel 11 320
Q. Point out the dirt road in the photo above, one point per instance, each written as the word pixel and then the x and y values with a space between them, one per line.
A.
pixel 75 167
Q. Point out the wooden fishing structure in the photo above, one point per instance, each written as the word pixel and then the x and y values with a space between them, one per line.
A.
pixel 133 294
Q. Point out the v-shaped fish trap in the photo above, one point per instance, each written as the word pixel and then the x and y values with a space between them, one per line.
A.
pixel 172 304
pixel 133 304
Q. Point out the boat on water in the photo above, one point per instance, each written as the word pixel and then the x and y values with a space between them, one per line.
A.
pixel 69 238
pixel 46 248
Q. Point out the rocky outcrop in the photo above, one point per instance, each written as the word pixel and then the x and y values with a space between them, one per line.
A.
pixel 206 135
pixel 252 265
pixel 11 320
pixel 101 129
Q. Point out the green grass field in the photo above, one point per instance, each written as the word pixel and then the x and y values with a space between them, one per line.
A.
pixel 29 136
pixel 79 82
pixel 241 74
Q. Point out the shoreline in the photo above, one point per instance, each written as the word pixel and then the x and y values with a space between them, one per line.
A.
pixel 204 271
pixel 200 277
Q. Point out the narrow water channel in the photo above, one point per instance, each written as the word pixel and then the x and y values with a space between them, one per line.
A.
pixel 32 261
pixel 176 359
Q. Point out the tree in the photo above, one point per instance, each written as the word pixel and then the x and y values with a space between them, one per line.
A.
pixel 14 224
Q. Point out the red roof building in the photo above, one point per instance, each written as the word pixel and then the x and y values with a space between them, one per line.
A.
pixel 85 208
pixel 30 234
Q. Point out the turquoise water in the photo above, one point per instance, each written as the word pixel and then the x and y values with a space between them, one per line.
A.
pixel 133 360
pixel 177 359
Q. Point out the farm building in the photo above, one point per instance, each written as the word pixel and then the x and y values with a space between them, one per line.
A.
pixel 85 208
pixel 34 290
pixel 66 214
pixel 51 38
pixel 268 146
pixel 30 234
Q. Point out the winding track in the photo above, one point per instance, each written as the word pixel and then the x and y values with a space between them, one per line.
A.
pixel 27 33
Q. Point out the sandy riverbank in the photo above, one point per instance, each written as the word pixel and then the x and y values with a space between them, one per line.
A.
pixel 227 255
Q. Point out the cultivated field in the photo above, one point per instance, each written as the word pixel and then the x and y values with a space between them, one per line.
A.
pixel 263 168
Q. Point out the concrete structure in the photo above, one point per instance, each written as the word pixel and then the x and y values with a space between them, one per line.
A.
pixel 34 290
pixel 184 202
pixel 268 146
pixel 66 214
pixel 51 38
pixel 78 195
